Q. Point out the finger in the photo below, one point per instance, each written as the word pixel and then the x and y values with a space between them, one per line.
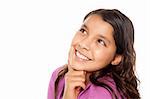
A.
pixel 78 84
pixel 78 89
pixel 73 72
pixel 75 78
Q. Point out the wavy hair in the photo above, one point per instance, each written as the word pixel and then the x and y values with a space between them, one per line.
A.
pixel 124 73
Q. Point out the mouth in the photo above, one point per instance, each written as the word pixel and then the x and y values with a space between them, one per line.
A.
pixel 81 56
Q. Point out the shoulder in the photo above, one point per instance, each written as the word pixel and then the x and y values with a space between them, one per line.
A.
pixel 110 89
pixel 99 92
pixel 54 75
pixel 93 91
pixel 103 92
pixel 53 78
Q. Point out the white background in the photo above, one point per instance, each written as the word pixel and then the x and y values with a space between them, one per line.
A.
pixel 35 37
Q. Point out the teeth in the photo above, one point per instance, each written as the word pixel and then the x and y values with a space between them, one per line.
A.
pixel 81 56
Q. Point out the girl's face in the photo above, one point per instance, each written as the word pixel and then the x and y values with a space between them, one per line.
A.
pixel 93 46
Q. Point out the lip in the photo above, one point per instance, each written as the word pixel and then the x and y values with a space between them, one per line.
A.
pixel 81 59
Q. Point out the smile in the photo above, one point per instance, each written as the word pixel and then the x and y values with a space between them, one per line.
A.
pixel 81 56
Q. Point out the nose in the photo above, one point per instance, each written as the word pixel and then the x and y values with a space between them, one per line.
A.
pixel 85 44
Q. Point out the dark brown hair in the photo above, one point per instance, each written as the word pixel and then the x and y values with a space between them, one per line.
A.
pixel 124 73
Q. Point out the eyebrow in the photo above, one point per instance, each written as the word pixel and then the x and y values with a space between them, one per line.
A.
pixel 101 36
pixel 83 25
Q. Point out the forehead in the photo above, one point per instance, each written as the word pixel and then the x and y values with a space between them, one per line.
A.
pixel 96 26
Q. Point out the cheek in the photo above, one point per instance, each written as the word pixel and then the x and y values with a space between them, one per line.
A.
pixel 103 57
pixel 76 39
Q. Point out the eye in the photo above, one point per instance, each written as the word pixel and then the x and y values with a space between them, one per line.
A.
pixel 82 30
pixel 100 41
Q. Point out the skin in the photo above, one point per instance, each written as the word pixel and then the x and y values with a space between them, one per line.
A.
pixel 95 41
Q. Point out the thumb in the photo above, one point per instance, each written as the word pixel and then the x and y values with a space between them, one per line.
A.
pixel 77 90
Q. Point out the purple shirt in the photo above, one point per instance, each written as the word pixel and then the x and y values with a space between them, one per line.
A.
pixel 91 91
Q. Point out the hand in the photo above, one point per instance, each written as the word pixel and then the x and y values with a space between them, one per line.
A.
pixel 74 82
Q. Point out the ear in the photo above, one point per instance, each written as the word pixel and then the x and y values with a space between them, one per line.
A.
pixel 117 59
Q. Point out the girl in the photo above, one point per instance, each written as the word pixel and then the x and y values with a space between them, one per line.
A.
pixel 101 60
